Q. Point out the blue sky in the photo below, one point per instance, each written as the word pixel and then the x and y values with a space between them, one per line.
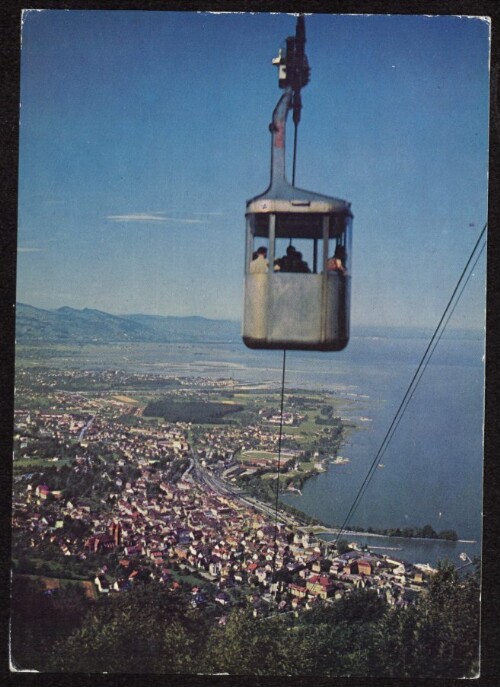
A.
pixel 144 133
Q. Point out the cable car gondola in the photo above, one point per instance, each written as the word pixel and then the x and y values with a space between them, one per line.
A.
pixel 295 301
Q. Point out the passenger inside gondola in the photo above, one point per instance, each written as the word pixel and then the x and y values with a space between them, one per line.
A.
pixel 259 263
pixel 292 261
pixel 337 262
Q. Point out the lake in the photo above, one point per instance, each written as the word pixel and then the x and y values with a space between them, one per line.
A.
pixel 432 468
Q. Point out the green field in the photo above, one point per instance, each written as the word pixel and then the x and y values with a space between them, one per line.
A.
pixel 251 455
pixel 22 465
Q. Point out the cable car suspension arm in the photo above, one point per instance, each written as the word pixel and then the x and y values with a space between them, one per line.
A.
pixel 293 75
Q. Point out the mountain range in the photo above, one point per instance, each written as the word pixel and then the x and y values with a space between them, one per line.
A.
pixel 69 325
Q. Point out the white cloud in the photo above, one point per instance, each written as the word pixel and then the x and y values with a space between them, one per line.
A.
pixel 152 217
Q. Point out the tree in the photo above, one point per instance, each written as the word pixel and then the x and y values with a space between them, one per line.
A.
pixel 342 546
pixel 429 532
pixel 452 606
pixel 40 617
pixel 438 637
pixel 147 630
pixel 249 646
pixel 153 630
pixel 450 535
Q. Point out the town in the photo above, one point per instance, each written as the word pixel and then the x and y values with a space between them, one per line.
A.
pixel 108 495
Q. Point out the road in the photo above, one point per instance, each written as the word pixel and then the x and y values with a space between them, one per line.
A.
pixel 216 484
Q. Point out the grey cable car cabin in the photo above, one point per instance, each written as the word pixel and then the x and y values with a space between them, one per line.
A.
pixel 302 305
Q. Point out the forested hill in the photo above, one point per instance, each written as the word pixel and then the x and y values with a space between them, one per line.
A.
pixel 68 325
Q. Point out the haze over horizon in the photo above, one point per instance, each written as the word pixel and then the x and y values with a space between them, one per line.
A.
pixel 144 133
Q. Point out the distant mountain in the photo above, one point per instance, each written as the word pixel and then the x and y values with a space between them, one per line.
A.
pixel 68 325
